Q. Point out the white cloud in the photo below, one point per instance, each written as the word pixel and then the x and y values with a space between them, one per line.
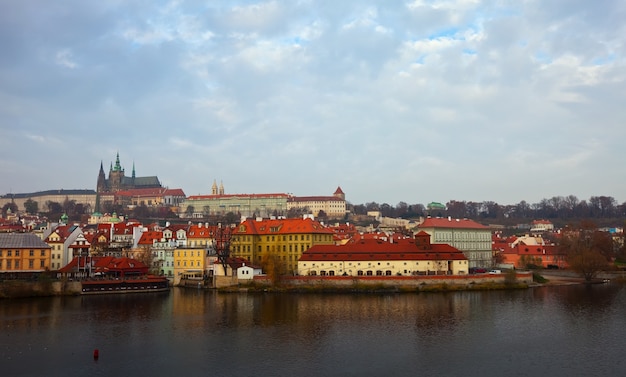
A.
pixel 428 94
pixel 66 59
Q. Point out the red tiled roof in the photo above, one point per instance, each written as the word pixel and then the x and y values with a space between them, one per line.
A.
pixel 253 196
pixel 154 191
pixel 368 251
pixel 148 238
pixel 451 223
pixel 314 199
pixel 281 226
pixel 106 264
pixel 201 231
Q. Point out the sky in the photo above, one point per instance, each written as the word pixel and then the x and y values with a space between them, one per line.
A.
pixel 413 101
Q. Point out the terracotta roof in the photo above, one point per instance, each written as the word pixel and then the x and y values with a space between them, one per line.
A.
pixel 201 231
pixel 148 238
pixel 339 190
pixel 281 226
pixel 106 264
pixel 451 223
pixel 154 191
pixel 368 251
pixel 314 199
pixel 227 196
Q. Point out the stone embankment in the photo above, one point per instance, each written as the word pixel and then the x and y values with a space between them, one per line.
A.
pixel 391 283
pixel 21 289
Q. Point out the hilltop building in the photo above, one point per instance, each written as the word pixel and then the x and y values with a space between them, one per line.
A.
pixel 333 206
pixel 118 180
pixel 220 203
pixel 260 205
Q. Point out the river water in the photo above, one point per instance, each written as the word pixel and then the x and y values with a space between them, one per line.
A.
pixel 549 331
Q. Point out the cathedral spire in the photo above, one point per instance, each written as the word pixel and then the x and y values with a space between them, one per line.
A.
pixel 118 167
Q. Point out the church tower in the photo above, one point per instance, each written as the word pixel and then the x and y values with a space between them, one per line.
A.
pixel 102 181
pixel 116 175
pixel 214 188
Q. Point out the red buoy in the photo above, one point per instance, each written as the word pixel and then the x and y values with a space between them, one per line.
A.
pixel 96 354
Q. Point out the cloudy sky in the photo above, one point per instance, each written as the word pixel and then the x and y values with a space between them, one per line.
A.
pixel 413 101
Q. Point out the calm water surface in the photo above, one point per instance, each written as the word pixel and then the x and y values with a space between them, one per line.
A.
pixel 552 331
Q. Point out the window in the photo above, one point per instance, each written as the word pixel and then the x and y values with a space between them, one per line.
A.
pixel 31 263
pixel 31 253
pixel 17 264
pixel 9 253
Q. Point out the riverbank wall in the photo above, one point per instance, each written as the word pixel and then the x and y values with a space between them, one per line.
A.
pixel 436 282
pixel 21 289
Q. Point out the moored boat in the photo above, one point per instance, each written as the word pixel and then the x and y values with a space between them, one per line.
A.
pixel 143 284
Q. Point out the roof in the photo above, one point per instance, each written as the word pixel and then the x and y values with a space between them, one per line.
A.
pixel 21 241
pixel 63 231
pixel 315 199
pixel 281 226
pixel 148 238
pixel 229 196
pixel 368 251
pixel 106 264
pixel 153 191
pixel 448 222
pixel 201 231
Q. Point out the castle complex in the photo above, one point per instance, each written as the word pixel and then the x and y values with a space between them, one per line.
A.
pixel 118 181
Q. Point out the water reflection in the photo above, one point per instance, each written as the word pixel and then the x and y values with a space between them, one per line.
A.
pixel 578 330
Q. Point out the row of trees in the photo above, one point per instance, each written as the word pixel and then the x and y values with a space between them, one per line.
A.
pixel 557 207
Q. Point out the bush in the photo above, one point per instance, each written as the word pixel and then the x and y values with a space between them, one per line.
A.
pixel 538 278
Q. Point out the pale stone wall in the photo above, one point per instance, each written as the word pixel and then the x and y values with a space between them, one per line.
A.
pixel 398 281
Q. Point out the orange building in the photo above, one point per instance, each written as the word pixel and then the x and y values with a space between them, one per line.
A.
pixel 283 239
pixel 22 253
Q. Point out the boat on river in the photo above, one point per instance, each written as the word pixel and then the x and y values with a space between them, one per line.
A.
pixel 142 284
pixel 113 275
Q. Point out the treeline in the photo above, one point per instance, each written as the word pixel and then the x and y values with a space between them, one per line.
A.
pixel 563 208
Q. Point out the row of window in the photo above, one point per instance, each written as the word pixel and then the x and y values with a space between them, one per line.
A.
pixel 31 253
pixel 15 264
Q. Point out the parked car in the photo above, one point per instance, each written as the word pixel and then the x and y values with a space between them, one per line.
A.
pixel 495 272
pixel 477 270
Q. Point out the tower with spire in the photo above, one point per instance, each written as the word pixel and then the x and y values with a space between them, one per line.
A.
pixel 117 179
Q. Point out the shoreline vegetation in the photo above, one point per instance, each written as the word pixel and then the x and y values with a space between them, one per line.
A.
pixel 32 289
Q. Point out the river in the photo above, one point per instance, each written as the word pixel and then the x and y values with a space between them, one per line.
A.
pixel 549 331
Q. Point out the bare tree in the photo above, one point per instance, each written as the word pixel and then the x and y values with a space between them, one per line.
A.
pixel 586 250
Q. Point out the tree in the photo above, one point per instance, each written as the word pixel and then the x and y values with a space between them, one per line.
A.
pixel 12 206
pixel 31 206
pixel 189 211
pixel 586 249
pixel 273 267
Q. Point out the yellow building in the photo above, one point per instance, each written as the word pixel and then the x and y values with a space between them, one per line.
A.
pixel 23 253
pixel 283 239
pixel 189 263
